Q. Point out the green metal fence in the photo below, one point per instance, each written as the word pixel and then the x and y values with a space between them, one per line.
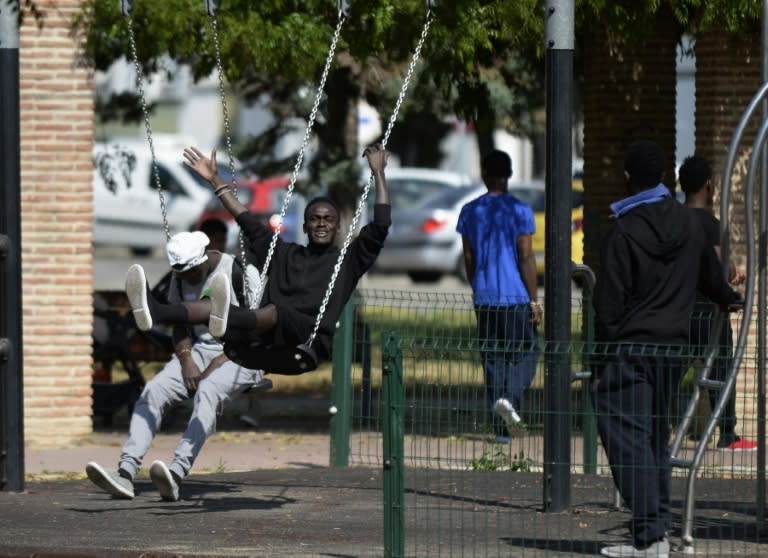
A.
pixel 416 409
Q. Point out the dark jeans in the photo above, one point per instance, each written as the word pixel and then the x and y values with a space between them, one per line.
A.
pixel 700 337
pixel 631 396
pixel 510 350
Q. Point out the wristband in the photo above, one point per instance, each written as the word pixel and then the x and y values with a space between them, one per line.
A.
pixel 183 352
pixel 221 190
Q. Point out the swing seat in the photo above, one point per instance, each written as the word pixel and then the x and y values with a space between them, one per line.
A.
pixel 273 359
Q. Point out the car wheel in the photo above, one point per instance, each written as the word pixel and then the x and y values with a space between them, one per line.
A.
pixel 461 270
pixel 424 276
pixel 141 252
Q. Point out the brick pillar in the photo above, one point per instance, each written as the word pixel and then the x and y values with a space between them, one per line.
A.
pixel 629 94
pixel 57 214
pixel 728 74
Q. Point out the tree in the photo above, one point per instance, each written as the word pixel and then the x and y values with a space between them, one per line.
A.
pixel 476 61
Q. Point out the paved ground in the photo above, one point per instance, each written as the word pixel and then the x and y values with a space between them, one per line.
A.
pixel 269 492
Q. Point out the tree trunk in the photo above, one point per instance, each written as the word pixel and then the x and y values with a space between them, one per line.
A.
pixel 629 94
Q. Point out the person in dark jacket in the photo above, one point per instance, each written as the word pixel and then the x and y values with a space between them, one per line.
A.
pixel 696 182
pixel 297 278
pixel 644 298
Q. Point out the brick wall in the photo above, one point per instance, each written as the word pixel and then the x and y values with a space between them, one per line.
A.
pixel 728 75
pixel 56 203
pixel 629 94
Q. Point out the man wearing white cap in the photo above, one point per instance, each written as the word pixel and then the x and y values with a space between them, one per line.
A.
pixel 198 367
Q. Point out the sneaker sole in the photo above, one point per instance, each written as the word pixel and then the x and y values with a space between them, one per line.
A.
pixel 220 293
pixel 163 481
pixel 101 478
pixel 510 418
pixel 136 289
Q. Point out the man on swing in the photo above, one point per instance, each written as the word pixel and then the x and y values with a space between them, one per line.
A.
pixel 297 276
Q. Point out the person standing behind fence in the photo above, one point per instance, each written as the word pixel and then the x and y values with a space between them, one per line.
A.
pixel 696 183
pixel 644 297
pixel 497 231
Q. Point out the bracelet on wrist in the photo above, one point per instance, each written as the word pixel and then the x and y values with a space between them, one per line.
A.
pixel 221 190
pixel 183 352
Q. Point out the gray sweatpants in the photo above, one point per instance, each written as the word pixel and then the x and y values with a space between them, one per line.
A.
pixel 166 389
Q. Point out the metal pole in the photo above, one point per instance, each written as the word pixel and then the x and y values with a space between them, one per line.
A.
pixel 341 388
pixel 393 428
pixel 11 384
pixel 559 36
pixel 761 295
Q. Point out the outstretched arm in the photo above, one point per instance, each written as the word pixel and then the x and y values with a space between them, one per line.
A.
pixel 207 169
pixel 377 159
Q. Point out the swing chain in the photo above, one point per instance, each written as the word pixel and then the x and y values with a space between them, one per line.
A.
pixel 302 149
pixel 148 127
pixel 362 202
pixel 228 135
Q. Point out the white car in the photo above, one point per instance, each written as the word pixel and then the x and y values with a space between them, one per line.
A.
pixel 126 203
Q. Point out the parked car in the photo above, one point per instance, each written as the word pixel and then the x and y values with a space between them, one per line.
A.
pixel 423 241
pixel 409 185
pixel 126 204
pixel 532 193
pixel 265 199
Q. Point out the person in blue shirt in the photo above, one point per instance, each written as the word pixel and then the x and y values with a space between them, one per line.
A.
pixel 497 231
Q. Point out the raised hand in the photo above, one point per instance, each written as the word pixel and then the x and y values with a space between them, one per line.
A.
pixel 202 165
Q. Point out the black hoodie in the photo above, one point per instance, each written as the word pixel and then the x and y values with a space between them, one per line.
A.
pixel 298 278
pixel 653 261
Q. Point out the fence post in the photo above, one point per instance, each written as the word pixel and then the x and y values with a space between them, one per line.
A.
pixel 394 446
pixel 589 421
pixel 341 387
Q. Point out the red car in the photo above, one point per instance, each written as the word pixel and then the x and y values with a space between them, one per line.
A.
pixel 264 198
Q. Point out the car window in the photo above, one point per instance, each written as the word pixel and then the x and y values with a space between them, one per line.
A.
pixel 222 169
pixel 532 197
pixel 168 182
pixel 449 198
pixel 577 199
pixel 408 193
pixel 535 198
pixel 245 195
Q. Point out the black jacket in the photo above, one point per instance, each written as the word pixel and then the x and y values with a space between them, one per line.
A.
pixel 298 278
pixel 653 261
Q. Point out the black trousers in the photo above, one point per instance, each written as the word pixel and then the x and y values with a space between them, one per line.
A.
pixel 631 396
pixel 701 336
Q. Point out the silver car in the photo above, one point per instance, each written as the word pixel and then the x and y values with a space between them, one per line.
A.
pixel 423 241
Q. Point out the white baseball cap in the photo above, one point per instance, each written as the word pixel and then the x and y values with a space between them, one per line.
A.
pixel 186 250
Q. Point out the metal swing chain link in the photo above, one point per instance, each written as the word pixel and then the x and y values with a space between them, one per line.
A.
pixel 148 127
pixel 228 135
pixel 304 143
pixel 362 202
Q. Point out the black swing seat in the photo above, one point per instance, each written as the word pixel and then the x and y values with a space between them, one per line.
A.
pixel 273 359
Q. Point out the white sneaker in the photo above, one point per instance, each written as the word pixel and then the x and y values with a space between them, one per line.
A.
pixel 659 549
pixel 506 411
pixel 220 300
pixel 109 481
pixel 136 289
pixel 163 480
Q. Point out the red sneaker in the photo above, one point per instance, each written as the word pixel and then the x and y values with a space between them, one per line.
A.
pixel 742 445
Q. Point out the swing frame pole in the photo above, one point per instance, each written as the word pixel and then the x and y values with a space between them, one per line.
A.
pixel 11 350
pixel 559 44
